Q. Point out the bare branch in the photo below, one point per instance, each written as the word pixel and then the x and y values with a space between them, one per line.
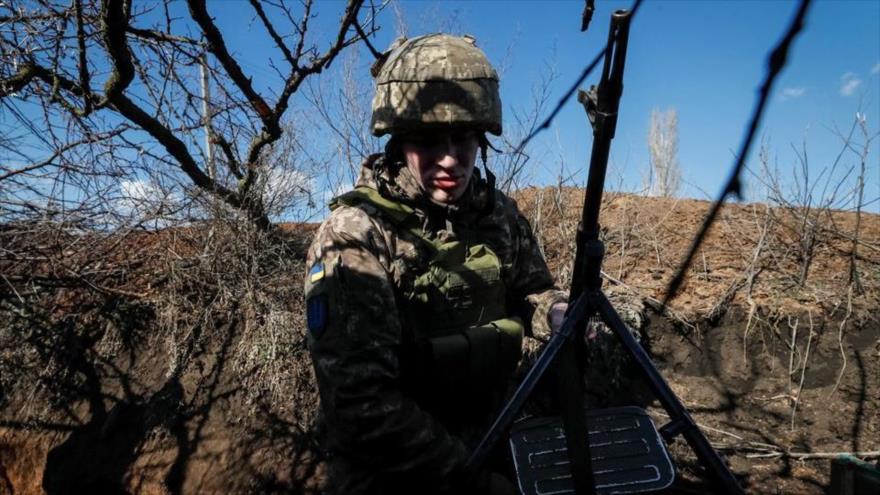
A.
pixel 31 71
pixel 60 151
pixel 232 161
pixel 217 46
pixel 273 33
pixel 301 29
pixel 174 146
pixel 297 77
pixel 84 78
pixel 114 16
pixel 22 78
pixel 364 37
pixel 152 35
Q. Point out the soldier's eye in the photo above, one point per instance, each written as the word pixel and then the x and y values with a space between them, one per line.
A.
pixel 462 137
pixel 424 140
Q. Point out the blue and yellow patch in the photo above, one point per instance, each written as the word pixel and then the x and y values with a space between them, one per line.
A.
pixel 316 300
pixel 316 274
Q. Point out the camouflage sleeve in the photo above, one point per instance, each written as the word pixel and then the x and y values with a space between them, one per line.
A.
pixel 354 334
pixel 532 285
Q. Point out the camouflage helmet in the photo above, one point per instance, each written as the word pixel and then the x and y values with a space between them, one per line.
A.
pixel 436 80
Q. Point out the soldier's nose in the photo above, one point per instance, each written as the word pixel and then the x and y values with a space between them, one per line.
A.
pixel 448 157
pixel 448 160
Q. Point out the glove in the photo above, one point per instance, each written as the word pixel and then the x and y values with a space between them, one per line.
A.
pixel 557 316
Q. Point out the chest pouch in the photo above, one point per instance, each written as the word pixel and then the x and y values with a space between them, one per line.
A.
pixel 460 288
pixel 470 368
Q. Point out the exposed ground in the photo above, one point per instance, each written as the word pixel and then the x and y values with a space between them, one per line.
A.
pixel 173 362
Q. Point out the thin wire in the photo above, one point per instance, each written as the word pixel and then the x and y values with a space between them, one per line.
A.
pixel 775 63
pixel 574 87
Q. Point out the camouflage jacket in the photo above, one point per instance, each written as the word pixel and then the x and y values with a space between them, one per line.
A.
pixel 382 440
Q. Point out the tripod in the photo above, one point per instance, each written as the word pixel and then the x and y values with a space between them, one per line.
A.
pixel 556 455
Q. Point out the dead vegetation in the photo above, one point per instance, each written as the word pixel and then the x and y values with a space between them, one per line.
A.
pixel 187 342
pixel 191 338
pixel 750 259
pixel 781 368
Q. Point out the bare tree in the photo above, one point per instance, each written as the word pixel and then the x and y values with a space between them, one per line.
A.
pixel 663 148
pixel 101 136
pixel 121 77
pixel 511 162
pixel 859 192
pixel 344 104
pixel 806 203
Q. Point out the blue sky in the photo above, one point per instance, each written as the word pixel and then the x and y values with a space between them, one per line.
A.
pixel 704 58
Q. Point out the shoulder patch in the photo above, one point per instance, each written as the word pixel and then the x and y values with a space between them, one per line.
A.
pixel 316 314
pixel 317 299
pixel 316 273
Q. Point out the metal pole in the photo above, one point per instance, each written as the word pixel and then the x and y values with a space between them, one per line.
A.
pixel 206 116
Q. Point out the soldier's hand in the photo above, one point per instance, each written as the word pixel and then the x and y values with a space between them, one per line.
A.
pixel 557 316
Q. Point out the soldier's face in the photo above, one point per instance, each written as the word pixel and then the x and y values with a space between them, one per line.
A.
pixel 442 161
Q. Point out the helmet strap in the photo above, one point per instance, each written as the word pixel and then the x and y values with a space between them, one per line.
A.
pixel 484 153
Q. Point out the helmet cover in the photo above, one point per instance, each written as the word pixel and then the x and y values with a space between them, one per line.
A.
pixel 436 81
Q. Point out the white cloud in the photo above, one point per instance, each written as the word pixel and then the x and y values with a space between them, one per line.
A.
pixel 849 82
pixel 287 182
pixel 137 191
pixel 144 197
pixel 286 190
pixel 876 68
pixel 792 93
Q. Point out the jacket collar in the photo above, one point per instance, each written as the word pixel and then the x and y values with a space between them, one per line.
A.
pixel 396 182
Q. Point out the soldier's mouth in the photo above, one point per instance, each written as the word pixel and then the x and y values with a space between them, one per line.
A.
pixel 447 183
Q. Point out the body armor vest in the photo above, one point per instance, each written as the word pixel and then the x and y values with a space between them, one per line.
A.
pixel 461 345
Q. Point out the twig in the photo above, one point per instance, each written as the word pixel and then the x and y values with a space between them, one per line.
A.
pixel 705 427
pixel 849 310
pixel 750 282
pixel 279 42
pixel 813 455
pixel 769 451
pixel 797 397
pixel 792 349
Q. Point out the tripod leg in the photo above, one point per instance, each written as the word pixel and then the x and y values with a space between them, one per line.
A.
pixel 681 421
pixel 570 393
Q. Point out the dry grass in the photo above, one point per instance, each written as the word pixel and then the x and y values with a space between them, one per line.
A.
pixel 645 238
pixel 200 329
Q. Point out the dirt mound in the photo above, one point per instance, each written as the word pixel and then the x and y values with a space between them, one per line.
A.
pixel 175 361
pixel 773 342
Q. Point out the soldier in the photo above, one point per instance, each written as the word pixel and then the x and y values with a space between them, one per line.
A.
pixel 422 284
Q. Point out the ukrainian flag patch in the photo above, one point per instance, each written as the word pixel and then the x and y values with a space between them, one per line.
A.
pixel 316 274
